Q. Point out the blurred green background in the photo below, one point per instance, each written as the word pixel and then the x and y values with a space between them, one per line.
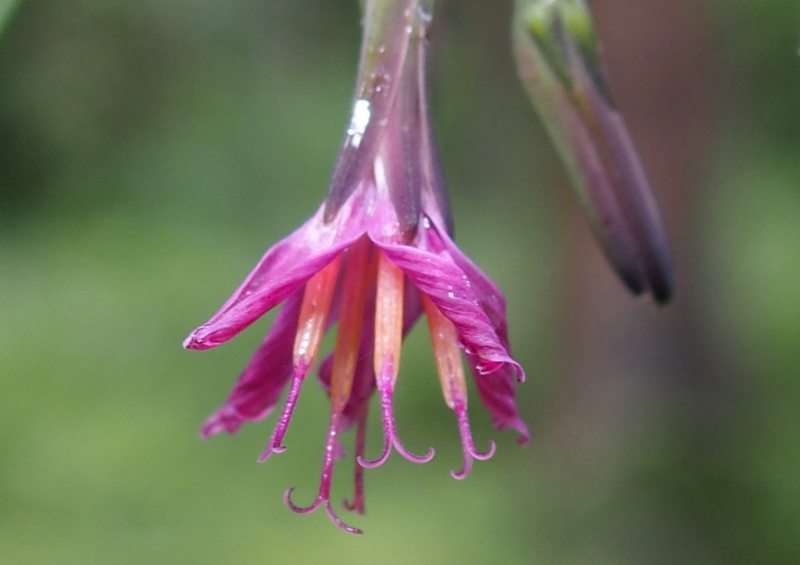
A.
pixel 151 151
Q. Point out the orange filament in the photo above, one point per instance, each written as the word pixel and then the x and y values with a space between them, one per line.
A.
pixel 313 317
pixel 358 276
pixel 388 319
pixel 448 355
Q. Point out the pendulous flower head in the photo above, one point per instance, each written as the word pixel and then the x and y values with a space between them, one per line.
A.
pixel 376 255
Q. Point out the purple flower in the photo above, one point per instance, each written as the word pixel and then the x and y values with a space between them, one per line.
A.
pixel 376 255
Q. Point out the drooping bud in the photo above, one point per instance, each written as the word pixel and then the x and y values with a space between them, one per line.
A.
pixel 560 66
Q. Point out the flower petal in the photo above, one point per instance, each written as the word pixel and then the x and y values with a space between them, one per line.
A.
pixel 284 268
pixel 497 392
pixel 490 296
pixel 438 276
pixel 260 385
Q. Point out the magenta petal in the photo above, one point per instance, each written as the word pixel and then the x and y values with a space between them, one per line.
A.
pixel 491 298
pixel 438 277
pixel 283 269
pixel 498 395
pixel 260 385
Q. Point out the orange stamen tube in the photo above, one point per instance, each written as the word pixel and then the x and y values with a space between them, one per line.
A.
pixel 359 275
pixel 444 339
pixel 314 315
pixel 388 320
pixel 313 318
pixel 386 360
